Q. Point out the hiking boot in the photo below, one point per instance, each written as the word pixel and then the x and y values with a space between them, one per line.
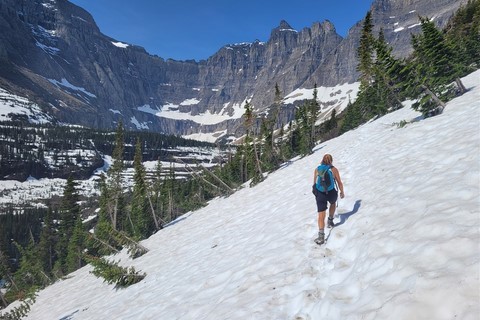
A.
pixel 321 238
pixel 330 223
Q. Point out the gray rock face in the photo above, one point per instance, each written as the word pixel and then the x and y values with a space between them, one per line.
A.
pixel 52 52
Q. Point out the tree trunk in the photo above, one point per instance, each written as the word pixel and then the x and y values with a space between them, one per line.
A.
pixel 217 178
pixel 115 212
pixel 460 85
pixel 437 100
pixel 170 205
pixel 105 244
pixel 3 300
pixel 257 160
pixel 152 210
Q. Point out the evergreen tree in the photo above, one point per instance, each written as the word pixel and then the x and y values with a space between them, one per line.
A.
pixel 332 122
pixel 270 153
pixel 313 114
pixel 365 52
pixel 286 147
pixel 142 223
pixel 275 114
pixel 232 170
pixel 386 74
pixel 155 196
pixel 433 68
pixel 251 163
pixel 463 35
pixel 352 117
pixel 6 274
pixel 116 207
pixel 70 209
pixel 102 242
pixel 47 243
pixel 277 103
pixel 76 247
pixel 371 89
pixel 302 132
pixel 169 190
pixel 267 153
pixel 69 213
pixel 111 272
pixel 30 275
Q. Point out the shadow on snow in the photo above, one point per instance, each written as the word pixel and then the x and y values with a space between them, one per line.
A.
pixel 344 216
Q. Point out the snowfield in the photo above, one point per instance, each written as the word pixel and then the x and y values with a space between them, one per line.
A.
pixel 407 245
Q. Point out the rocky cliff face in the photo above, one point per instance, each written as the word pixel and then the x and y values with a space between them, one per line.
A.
pixel 52 52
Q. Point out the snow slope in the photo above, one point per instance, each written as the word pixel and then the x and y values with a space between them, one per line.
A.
pixel 407 245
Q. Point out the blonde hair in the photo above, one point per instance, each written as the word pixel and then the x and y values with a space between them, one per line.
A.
pixel 327 159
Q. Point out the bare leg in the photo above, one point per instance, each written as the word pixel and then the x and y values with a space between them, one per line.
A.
pixel 321 227
pixel 331 210
pixel 321 220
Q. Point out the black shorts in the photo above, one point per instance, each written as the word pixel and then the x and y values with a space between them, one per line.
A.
pixel 323 197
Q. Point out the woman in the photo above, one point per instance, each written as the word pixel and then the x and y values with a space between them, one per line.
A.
pixel 324 180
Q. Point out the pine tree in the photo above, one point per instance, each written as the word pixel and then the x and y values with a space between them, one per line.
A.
pixel 313 114
pixel 6 274
pixel 286 148
pixel 332 122
pixel 30 274
pixel 142 223
pixel 155 196
pixel 76 247
pixel 387 81
pixel 102 243
pixel 463 35
pixel 371 89
pixel 70 209
pixel 69 213
pixel 365 52
pixel 302 132
pixel 116 207
pixel 47 243
pixel 352 117
pixel 252 165
pixel 277 103
pixel 433 69
pixel 267 156
pixel 111 272
pixel 169 190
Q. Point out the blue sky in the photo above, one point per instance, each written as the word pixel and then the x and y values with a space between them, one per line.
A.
pixel 196 29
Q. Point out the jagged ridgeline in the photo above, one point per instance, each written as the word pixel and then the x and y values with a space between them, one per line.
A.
pixel 54 53
pixel 41 151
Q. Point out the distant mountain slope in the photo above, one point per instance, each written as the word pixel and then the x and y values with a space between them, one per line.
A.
pixel 53 53
pixel 406 245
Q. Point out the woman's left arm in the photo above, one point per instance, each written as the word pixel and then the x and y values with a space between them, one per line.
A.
pixel 336 175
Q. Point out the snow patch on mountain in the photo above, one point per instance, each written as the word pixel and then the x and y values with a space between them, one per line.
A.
pixel 120 44
pixel 171 111
pixel 12 105
pixel 208 137
pixel 139 125
pixel 65 84
pixel 405 245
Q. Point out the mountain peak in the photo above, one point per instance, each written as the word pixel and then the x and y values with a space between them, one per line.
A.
pixel 284 25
